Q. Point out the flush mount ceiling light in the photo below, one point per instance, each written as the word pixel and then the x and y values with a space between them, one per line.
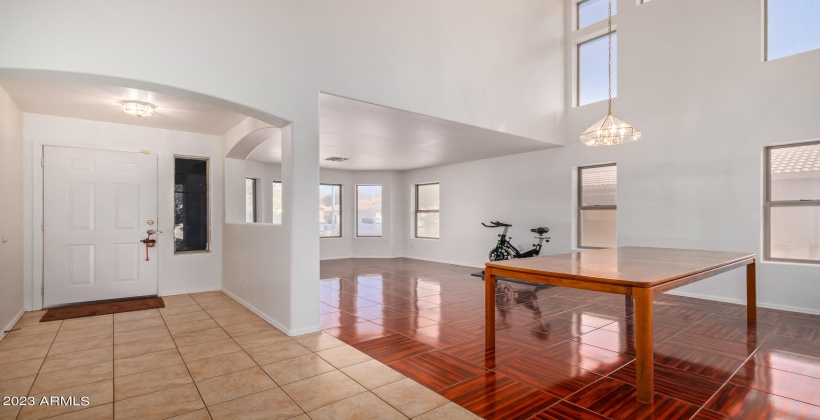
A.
pixel 610 130
pixel 138 109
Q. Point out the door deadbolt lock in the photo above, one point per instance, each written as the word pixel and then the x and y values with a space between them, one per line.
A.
pixel 150 222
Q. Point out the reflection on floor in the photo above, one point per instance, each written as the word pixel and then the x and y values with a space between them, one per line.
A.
pixel 569 354
pixel 202 356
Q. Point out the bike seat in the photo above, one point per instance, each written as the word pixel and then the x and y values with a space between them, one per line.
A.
pixel 540 230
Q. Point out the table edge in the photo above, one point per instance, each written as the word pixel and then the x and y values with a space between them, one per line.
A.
pixel 751 258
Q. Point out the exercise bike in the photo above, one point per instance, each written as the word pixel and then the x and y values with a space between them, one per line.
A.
pixel 504 249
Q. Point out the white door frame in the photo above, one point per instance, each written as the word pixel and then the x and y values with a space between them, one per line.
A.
pixel 37 216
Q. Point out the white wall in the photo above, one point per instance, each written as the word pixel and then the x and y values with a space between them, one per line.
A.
pixel 184 273
pixel 11 212
pixel 394 234
pixel 482 63
pixel 707 106
pixel 394 218
pixel 339 247
pixel 255 253
pixel 252 272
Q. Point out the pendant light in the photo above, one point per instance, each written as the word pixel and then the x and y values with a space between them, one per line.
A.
pixel 610 130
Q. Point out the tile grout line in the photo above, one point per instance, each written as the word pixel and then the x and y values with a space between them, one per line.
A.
pixel 522 356
pixel 729 379
pixel 176 347
pixel 243 350
pixel 433 348
pixel 266 372
pixel 28 393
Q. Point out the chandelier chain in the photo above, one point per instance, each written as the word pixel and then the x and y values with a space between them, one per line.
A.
pixel 609 60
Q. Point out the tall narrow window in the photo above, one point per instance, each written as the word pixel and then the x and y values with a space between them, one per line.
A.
pixel 592 69
pixel 597 188
pixel 427 211
pixel 330 211
pixel 593 11
pixel 792 207
pixel 368 210
pixel 191 204
pixel 250 200
pixel 277 202
pixel 791 27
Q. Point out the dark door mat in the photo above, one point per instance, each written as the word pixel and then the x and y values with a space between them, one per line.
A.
pixel 105 308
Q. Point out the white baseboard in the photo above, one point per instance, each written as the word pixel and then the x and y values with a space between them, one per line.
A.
pixel 743 302
pixel 463 264
pixel 368 257
pixel 10 325
pixel 189 291
pixel 270 320
pixel 302 331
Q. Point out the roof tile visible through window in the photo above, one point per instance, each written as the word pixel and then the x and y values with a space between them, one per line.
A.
pixel 607 177
pixel 795 159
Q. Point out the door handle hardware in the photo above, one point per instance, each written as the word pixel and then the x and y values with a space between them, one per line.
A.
pixel 149 243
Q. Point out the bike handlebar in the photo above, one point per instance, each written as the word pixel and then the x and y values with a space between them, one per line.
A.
pixel 540 230
pixel 495 224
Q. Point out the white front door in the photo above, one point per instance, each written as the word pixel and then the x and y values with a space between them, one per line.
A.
pixel 97 206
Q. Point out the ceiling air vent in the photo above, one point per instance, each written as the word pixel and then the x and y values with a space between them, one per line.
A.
pixel 336 159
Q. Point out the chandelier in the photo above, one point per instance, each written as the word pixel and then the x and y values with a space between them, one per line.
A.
pixel 610 130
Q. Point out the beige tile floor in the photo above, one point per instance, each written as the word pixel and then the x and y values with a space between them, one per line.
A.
pixel 203 356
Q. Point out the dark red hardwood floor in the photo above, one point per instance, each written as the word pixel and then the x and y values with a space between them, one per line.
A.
pixel 568 354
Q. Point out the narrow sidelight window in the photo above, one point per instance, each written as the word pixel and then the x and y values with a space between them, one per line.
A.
pixel 277 202
pixel 250 200
pixel 427 211
pixel 330 211
pixel 368 210
pixel 191 219
pixel 792 207
pixel 597 188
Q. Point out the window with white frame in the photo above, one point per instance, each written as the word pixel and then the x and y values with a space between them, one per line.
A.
pixel 592 80
pixel 792 207
pixel 427 211
pixel 330 211
pixel 597 190
pixel 593 11
pixel 369 210
pixel 276 204
pixel 792 27
pixel 250 200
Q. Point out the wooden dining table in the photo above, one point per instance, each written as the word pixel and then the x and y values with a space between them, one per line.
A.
pixel 638 272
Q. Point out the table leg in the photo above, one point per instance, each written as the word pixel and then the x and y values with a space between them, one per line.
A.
pixel 489 308
pixel 644 360
pixel 751 293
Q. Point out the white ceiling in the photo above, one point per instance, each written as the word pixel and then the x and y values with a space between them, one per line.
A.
pixel 102 103
pixel 375 137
